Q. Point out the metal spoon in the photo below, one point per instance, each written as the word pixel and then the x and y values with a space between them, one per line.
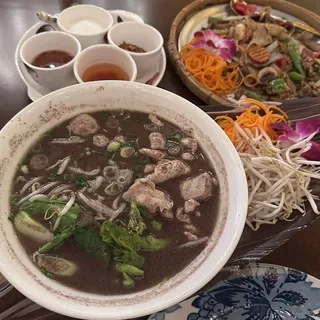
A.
pixel 45 28
pixel 46 17
pixel 300 25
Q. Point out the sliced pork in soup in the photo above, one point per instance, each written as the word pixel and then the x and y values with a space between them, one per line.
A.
pixel 111 203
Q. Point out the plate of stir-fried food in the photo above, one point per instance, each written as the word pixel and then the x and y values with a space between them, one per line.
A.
pixel 265 54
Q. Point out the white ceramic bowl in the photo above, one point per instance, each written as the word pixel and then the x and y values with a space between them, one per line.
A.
pixel 51 78
pixel 143 36
pixel 88 23
pixel 44 114
pixel 104 53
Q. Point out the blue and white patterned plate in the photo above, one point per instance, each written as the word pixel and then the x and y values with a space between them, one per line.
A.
pixel 260 292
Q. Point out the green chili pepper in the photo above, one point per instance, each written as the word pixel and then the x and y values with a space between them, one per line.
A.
pixel 254 95
pixel 277 85
pixel 295 76
pixel 293 49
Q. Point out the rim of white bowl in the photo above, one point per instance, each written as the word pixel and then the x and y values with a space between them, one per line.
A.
pixel 235 228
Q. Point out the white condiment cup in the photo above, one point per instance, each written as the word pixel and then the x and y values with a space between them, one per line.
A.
pixel 104 53
pixel 88 23
pixel 143 36
pixel 51 78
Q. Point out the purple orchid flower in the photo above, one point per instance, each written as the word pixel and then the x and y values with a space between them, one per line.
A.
pixel 303 129
pixel 216 45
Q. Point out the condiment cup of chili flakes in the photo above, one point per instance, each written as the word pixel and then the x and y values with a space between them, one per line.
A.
pixel 142 41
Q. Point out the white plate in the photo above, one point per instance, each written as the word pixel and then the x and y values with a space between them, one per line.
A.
pixel 36 90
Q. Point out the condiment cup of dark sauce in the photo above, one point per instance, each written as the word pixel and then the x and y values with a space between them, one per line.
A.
pixel 142 41
pixel 104 62
pixel 49 58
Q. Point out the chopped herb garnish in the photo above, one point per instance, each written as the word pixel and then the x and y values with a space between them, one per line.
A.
pixel 119 19
pixel 79 179
pixel 53 176
pixel 137 170
pixel 69 177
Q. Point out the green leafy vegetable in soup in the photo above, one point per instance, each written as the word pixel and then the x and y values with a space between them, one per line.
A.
pixel 101 203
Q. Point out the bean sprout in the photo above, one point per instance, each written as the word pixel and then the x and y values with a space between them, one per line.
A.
pixel 278 176
pixel 42 189
pixel 194 243
pixel 29 183
pixel 65 209
pixel 63 165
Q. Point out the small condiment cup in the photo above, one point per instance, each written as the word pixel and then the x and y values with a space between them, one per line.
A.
pixel 104 53
pixel 143 36
pixel 51 78
pixel 88 23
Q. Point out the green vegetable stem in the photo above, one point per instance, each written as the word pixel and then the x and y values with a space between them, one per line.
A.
pixel 129 270
pixel 128 282
pixel 254 95
pixel 57 240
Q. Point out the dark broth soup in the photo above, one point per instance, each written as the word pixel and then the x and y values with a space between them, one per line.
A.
pixel 111 203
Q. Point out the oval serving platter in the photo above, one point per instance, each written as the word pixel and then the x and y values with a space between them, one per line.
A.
pixel 194 16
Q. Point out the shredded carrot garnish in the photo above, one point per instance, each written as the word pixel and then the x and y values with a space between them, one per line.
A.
pixel 250 81
pixel 211 71
pixel 258 115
